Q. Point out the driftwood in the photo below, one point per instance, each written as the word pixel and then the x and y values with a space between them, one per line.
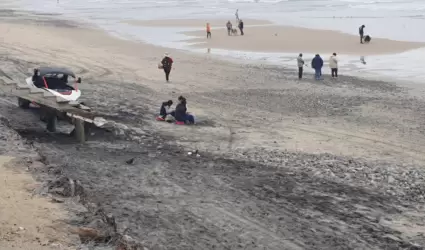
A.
pixel 103 228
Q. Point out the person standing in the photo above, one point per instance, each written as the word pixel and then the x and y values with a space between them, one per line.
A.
pixel 361 32
pixel 333 64
pixel 240 26
pixel 237 15
pixel 167 64
pixel 317 64
pixel 229 28
pixel 208 30
pixel 300 63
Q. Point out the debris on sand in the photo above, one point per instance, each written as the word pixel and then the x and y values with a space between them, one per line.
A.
pixel 66 187
pixel 130 161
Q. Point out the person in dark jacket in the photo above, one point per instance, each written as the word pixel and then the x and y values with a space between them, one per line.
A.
pixel 361 32
pixel 229 28
pixel 181 115
pixel 317 64
pixel 240 26
pixel 163 110
pixel 167 64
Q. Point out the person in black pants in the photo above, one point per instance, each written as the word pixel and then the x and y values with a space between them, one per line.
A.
pixel 300 64
pixel 240 26
pixel 361 32
pixel 167 64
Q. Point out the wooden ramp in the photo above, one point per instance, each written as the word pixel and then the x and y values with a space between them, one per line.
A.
pixel 79 117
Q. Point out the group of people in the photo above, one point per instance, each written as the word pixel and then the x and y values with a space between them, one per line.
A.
pixel 231 30
pixel 179 114
pixel 317 65
pixel 229 27
pixel 317 62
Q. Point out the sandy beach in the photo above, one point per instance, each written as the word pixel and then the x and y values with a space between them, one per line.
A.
pixel 286 39
pixel 283 163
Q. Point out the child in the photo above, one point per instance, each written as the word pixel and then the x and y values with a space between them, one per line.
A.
pixel 208 30
pixel 163 112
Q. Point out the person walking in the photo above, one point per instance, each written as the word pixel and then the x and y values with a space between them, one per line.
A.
pixel 300 63
pixel 229 28
pixel 240 26
pixel 317 64
pixel 167 64
pixel 333 64
pixel 361 33
pixel 208 30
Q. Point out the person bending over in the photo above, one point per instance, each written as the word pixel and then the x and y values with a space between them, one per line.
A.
pixel 167 64
pixel 361 32
pixel 164 110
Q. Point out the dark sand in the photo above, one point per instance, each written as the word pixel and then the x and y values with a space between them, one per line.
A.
pixel 336 164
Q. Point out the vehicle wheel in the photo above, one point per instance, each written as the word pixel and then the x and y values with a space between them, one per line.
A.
pixel 25 104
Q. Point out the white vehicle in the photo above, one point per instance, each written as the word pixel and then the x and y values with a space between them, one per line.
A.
pixel 58 81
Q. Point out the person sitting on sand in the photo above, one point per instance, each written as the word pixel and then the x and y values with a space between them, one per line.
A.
pixel 361 32
pixel 240 26
pixel 300 63
pixel 333 64
pixel 208 30
pixel 317 64
pixel 164 110
pixel 167 64
pixel 181 115
pixel 229 27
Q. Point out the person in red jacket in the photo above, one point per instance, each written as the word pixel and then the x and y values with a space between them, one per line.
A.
pixel 167 64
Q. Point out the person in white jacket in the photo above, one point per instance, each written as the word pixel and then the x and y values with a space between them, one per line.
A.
pixel 333 64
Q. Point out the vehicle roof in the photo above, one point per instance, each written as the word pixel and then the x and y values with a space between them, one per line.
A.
pixel 54 70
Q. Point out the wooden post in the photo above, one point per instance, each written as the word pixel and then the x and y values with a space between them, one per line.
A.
pixel 52 121
pixel 80 130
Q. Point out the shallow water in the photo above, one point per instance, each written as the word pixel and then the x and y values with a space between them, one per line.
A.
pixel 394 19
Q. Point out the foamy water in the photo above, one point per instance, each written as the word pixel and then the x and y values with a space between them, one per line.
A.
pixel 393 19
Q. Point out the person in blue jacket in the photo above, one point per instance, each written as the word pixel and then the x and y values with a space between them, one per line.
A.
pixel 317 64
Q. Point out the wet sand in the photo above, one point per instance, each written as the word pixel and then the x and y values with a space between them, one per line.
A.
pixel 284 164
pixel 285 39
pixel 262 36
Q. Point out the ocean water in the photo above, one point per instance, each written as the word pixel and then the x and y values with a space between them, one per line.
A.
pixel 393 19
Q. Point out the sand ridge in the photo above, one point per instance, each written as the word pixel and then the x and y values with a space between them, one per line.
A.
pixel 263 36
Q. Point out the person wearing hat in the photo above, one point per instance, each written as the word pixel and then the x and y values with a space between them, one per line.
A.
pixel 167 64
